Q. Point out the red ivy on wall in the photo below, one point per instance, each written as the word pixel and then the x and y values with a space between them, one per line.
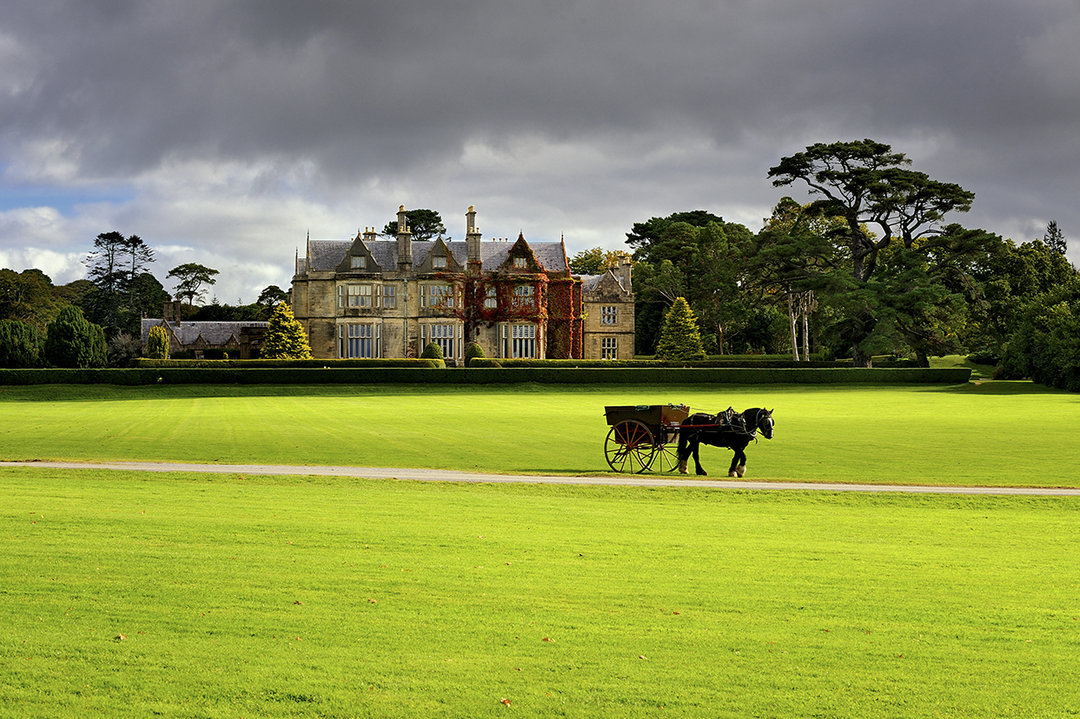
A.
pixel 555 304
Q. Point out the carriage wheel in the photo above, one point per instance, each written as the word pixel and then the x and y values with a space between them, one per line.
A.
pixel 666 458
pixel 629 447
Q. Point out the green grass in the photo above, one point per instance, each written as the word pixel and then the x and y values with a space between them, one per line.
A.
pixel 274 596
pixel 992 433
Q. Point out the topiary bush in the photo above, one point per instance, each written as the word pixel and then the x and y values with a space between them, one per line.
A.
pixel 473 351
pixel 432 351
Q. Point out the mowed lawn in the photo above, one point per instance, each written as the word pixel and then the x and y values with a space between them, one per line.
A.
pixel 993 433
pixel 129 594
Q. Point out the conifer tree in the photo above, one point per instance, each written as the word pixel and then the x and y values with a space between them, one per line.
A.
pixel 157 344
pixel 680 339
pixel 72 341
pixel 21 344
pixel 285 338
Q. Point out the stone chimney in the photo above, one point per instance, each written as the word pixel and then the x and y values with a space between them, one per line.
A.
pixel 404 241
pixel 472 237
pixel 622 272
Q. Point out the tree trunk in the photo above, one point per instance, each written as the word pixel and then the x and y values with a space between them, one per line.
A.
pixel 806 333
pixel 791 324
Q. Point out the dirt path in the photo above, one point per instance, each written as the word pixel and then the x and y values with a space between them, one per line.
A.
pixel 631 480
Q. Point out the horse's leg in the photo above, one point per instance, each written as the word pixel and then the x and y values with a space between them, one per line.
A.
pixel 697 460
pixel 682 452
pixel 739 460
pixel 733 470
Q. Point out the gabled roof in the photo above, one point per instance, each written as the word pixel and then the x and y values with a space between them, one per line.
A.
pixel 326 255
pixel 609 280
pixel 213 333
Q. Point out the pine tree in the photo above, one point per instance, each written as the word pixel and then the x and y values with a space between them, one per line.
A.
pixel 285 338
pixel 680 339
pixel 1054 238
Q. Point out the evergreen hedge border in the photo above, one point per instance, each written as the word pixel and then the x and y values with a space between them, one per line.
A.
pixel 326 374
pixel 649 363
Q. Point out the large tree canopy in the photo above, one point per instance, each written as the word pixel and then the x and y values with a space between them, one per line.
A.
pixel 881 201
pixel 190 278
pixel 703 263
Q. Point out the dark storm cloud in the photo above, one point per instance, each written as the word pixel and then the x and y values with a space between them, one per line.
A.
pixel 366 82
pixel 980 92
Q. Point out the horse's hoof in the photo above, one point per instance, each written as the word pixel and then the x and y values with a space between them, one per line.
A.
pixel 733 474
pixel 682 467
pixel 702 473
pixel 741 470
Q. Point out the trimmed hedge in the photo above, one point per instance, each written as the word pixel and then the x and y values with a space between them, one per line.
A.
pixel 484 375
pixel 276 363
pixel 748 361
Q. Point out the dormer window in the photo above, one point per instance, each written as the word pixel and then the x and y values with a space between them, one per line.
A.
pixel 439 262
pixel 358 262
pixel 521 263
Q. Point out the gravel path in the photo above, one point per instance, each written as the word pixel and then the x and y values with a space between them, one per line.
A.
pixel 630 480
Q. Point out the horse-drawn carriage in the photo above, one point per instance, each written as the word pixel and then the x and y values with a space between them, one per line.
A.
pixel 662 437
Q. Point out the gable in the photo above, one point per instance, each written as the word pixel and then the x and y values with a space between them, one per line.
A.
pixel 521 259
pixel 358 258
pixel 439 258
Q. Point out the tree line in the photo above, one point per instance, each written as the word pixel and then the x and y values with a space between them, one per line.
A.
pixel 95 321
pixel 872 265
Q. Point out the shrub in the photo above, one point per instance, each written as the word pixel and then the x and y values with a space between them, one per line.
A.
pixel 157 344
pixel 432 351
pixel 285 338
pixel 473 351
pixel 21 344
pixel 123 348
pixel 680 338
pixel 1045 344
pixel 72 341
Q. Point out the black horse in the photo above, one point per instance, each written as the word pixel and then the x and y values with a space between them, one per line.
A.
pixel 727 429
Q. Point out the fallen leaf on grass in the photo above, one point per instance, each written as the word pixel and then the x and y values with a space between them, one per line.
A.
pixel 373 601
pixel 119 637
pixel 505 701
pixel 548 639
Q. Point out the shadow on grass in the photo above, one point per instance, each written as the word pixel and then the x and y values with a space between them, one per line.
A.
pixel 998 388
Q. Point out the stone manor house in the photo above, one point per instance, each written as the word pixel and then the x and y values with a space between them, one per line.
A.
pixel 368 297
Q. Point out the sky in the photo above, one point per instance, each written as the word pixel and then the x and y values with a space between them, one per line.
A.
pixel 223 132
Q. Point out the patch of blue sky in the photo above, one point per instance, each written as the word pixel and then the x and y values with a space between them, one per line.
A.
pixel 63 199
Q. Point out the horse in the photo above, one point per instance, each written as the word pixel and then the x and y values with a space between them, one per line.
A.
pixel 728 429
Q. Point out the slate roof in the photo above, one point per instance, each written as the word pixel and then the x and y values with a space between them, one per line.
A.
pixel 327 254
pixel 215 333
pixel 590 283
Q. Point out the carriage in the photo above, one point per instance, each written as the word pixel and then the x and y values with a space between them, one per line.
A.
pixel 643 437
pixel 652 436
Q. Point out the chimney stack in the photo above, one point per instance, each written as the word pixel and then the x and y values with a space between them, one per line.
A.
pixel 472 237
pixel 404 240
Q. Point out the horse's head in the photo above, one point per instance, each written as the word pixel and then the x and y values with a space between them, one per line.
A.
pixel 764 423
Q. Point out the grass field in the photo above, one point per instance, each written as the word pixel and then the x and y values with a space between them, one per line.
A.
pixel 127 594
pixel 993 433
